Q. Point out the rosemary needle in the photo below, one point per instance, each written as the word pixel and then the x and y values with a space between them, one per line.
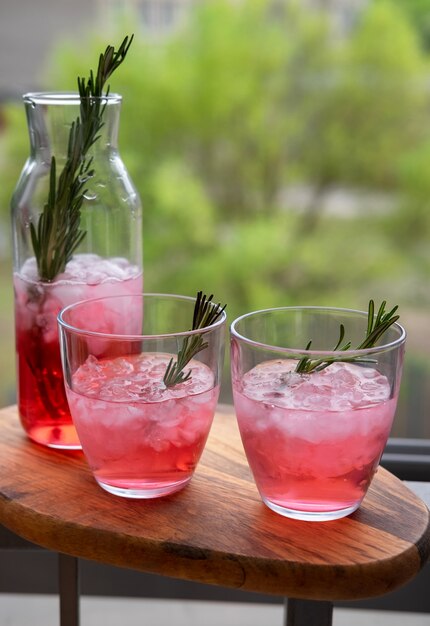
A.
pixel 205 314
pixel 57 233
pixel 376 327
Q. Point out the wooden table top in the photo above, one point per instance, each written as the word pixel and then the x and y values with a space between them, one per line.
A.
pixel 216 530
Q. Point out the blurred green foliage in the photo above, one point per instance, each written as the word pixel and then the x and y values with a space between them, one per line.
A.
pixel 239 129
pixel 417 12
pixel 244 103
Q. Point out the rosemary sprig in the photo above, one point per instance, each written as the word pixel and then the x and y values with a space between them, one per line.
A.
pixel 205 314
pixel 58 232
pixel 376 327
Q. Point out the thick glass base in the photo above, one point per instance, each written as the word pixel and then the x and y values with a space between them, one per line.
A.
pixel 59 437
pixel 142 490
pixel 311 515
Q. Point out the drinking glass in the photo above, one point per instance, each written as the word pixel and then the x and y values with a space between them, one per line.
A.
pixel 142 437
pixel 313 440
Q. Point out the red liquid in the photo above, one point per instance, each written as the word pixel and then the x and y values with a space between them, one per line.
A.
pixel 313 442
pixel 294 473
pixel 42 401
pixel 140 439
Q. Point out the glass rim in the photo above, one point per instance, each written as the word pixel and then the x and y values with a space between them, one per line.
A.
pixel 65 97
pixel 302 351
pixel 141 336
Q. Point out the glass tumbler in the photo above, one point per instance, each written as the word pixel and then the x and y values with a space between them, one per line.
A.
pixel 313 439
pixel 141 432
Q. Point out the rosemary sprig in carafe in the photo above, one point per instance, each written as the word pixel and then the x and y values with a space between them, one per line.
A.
pixel 376 327
pixel 205 314
pixel 57 233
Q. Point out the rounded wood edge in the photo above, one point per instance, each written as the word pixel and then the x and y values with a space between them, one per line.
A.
pixel 269 576
pixel 125 551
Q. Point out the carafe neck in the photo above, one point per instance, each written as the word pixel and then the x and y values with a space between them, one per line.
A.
pixel 50 117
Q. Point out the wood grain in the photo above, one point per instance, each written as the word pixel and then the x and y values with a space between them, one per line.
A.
pixel 216 530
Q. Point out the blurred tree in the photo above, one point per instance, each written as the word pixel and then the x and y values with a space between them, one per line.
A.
pixel 369 110
pixel 14 149
pixel 222 118
pixel 418 13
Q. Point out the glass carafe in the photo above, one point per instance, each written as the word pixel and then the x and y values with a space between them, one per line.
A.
pixel 108 260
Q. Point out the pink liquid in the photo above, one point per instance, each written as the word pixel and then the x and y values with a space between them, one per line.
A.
pixel 313 442
pixel 140 439
pixel 42 401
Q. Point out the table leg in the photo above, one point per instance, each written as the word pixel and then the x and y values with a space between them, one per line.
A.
pixel 308 612
pixel 68 578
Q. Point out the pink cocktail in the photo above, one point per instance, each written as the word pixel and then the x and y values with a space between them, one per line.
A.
pixel 137 435
pixel 313 440
pixel 42 401
pixel 142 431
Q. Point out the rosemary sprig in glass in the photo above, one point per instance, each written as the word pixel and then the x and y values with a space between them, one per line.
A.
pixel 205 314
pixel 58 232
pixel 376 327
